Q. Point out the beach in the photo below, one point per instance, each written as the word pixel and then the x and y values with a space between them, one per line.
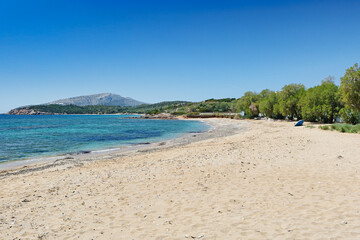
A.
pixel 245 179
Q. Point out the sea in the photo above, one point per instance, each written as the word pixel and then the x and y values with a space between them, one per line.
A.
pixel 32 136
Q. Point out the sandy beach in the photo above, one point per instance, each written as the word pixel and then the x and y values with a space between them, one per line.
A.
pixel 244 180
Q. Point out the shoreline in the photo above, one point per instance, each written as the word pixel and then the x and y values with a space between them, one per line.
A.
pixel 74 159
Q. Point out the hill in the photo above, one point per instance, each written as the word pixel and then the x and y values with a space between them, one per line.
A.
pixel 98 109
pixel 104 99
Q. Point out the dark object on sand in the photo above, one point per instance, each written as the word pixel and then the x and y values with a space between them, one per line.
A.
pixel 299 123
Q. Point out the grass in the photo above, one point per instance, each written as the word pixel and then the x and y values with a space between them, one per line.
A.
pixel 342 127
pixel 310 126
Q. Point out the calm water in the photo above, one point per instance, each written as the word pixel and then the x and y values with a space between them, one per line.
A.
pixel 23 137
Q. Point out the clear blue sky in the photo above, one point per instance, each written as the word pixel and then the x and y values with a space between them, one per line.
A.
pixel 170 50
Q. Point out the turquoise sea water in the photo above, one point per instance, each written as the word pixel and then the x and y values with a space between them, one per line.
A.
pixel 23 137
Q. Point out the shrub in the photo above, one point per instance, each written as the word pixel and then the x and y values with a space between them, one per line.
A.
pixel 179 113
pixel 346 128
pixel 193 114
pixel 237 116
pixel 325 127
pixel 155 111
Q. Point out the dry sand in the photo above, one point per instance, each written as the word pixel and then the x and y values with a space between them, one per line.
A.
pixel 273 181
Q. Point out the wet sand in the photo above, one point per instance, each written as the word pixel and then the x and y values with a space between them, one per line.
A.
pixel 245 180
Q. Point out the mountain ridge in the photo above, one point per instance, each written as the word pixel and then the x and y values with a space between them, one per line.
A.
pixel 106 99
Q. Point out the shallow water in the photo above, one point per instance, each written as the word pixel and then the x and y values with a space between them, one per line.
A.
pixel 24 137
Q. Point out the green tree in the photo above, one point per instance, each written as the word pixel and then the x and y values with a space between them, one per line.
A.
pixel 321 103
pixel 269 105
pixel 249 104
pixel 350 88
pixel 223 107
pixel 350 116
pixel 350 95
pixel 265 93
pixel 289 100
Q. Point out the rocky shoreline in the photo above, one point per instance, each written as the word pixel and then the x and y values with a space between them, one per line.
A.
pixel 27 111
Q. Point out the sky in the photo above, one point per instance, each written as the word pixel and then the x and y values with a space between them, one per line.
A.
pixel 168 50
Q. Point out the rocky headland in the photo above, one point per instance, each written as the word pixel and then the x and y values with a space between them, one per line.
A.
pixel 26 111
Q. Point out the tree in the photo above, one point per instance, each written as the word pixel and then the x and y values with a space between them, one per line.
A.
pixel 265 93
pixel 267 104
pixel 249 104
pixel 350 95
pixel 350 88
pixel 321 103
pixel 350 116
pixel 288 100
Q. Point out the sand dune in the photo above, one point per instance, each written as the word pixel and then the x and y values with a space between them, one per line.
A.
pixel 273 181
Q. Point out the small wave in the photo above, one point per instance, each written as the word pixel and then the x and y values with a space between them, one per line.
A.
pixel 106 150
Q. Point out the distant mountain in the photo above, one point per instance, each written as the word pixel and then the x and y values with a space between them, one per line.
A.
pixel 107 99
pixel 176 107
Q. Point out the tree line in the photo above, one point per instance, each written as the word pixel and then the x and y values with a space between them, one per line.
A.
pixel 322 103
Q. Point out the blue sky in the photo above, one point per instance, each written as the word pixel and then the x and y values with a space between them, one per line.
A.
pixel 170 50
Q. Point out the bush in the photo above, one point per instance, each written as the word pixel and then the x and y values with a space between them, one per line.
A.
pixel 193 114
pixel 155 111
pixel 179 113
pixel 344 128
pixel 237 116
pixel 324 127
